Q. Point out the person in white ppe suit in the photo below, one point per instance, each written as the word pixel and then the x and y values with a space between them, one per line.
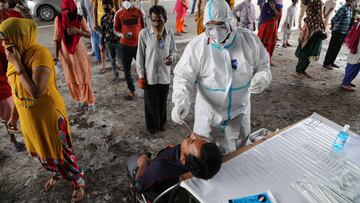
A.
pixel 226 64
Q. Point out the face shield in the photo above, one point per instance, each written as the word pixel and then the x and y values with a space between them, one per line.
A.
pixel 217 10
pixel 218 33
pixel 217 18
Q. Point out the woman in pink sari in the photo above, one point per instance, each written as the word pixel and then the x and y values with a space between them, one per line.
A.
pixel 180 9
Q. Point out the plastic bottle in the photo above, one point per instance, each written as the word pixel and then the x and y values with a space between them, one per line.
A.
pixel 340 140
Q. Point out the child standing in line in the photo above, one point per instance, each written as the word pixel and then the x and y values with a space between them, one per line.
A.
pixel 289 23
pixel 353 61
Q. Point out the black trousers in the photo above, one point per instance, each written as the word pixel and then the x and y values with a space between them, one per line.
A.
pixel 155 97
pixel 336 41
pixel 128 53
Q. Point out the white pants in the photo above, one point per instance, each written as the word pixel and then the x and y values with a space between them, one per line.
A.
pixel 235 131
pixel 286 36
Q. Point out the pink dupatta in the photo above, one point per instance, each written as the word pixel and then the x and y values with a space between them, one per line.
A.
pixel 352 39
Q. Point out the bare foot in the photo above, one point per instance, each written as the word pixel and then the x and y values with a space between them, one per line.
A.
pixel 51 183
pixel 78 194
pixel 298 75
pixel 306 75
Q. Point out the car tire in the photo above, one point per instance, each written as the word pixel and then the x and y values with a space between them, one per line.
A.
pixel 46 13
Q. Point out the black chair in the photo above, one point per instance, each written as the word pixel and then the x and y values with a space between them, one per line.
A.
pixel 169 195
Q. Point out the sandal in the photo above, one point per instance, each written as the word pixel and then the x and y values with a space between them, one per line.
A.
pixel 81 106
pixel 306 75
pixel 352 85
pixel 51 183
pixel 347 88
pixel 298 75
pixel 79 192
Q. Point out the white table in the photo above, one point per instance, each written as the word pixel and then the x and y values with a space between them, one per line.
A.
pixel 277 163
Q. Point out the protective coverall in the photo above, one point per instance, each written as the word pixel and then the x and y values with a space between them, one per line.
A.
pixel 224 74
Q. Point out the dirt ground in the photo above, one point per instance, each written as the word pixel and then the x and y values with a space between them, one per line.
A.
pixel 103 140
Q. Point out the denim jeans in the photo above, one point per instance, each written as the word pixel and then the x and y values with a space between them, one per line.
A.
pixel 351 71
pixel 95 41
pixel 114 54
pixel 193 7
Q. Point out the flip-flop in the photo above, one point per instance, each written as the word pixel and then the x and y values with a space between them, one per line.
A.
pixel 51 183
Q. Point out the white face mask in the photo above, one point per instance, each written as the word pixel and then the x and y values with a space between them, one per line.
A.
pixel 4 6
pixel 127 4
pixel 217 33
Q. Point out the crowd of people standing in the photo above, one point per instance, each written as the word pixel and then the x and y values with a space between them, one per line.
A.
pixel 118 31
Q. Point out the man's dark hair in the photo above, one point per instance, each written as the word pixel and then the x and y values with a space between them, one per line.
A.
pixel 108 2
pixel 208 164
pixel 158 10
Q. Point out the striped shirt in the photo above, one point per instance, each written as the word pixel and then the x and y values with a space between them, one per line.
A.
pixel 342 19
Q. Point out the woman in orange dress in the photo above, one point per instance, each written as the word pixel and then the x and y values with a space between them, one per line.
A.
pixel 69 28
pixel 180 9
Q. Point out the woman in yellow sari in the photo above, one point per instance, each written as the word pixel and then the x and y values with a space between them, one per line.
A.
pixel 38 103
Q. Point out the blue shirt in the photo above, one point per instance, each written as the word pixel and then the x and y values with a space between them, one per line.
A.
pixel 163 172
pixel 342 19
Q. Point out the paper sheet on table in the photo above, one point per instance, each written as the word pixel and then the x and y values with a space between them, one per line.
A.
pixel 352 149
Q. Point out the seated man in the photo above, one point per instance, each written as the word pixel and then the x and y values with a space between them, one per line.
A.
pixel 195 154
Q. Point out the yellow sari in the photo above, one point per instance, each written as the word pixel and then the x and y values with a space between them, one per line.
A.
pixel 38 116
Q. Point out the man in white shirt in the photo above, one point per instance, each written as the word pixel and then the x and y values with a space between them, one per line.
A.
pixel 156 52
pixel 289 23
pixel 327 11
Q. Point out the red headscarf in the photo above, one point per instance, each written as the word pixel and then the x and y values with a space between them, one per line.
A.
pixel 352 39
pixel 69 19
pixel 5 90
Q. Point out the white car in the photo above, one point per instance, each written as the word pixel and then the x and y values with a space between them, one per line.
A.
pixel 44 9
